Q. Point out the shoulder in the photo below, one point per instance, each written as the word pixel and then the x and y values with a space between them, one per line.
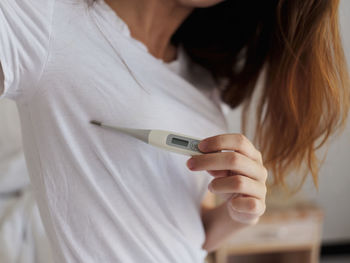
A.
pixel 25 27
pixel 29 8
pixel 25 17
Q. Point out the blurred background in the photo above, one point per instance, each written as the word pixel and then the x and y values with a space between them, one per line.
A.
pixel 329 207
pixel 313 226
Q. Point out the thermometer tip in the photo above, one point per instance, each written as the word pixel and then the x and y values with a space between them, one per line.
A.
pixel 96 123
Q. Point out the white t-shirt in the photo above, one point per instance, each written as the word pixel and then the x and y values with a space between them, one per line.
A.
pixel 104 196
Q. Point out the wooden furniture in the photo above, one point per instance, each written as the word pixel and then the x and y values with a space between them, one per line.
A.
pixel 282 235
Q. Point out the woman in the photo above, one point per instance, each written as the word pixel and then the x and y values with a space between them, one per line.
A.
pixel 155 64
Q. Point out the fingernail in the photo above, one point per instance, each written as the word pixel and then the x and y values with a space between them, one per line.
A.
pixel 202 145
pixel 190 163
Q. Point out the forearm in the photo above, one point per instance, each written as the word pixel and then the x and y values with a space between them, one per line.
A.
pixel 219 226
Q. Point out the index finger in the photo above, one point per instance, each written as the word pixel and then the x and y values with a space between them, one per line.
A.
pixel 230 141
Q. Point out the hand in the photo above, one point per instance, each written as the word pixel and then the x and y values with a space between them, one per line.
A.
pixel 240 176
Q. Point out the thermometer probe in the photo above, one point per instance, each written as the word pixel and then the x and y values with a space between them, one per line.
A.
pixel 171 141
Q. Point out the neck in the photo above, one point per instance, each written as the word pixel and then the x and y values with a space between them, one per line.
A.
pixel 152 22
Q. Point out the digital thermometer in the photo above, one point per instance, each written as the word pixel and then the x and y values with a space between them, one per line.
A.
pixel 171 141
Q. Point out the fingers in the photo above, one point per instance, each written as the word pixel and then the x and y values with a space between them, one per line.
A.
pixel 247 205
pixel 234 161
pixel 249 216
pixel 230 141
pixel 220 173
pixel 238 184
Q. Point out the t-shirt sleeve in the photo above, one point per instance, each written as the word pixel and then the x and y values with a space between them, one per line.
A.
pixel 25 27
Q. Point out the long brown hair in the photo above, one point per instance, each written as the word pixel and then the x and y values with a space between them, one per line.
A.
pixel 305 97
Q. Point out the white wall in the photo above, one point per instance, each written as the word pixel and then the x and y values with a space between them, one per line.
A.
pixel 334 182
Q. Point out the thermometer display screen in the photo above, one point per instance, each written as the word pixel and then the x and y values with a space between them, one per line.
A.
pixel 179 142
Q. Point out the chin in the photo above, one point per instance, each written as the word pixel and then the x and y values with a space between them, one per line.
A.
pixel 199 3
